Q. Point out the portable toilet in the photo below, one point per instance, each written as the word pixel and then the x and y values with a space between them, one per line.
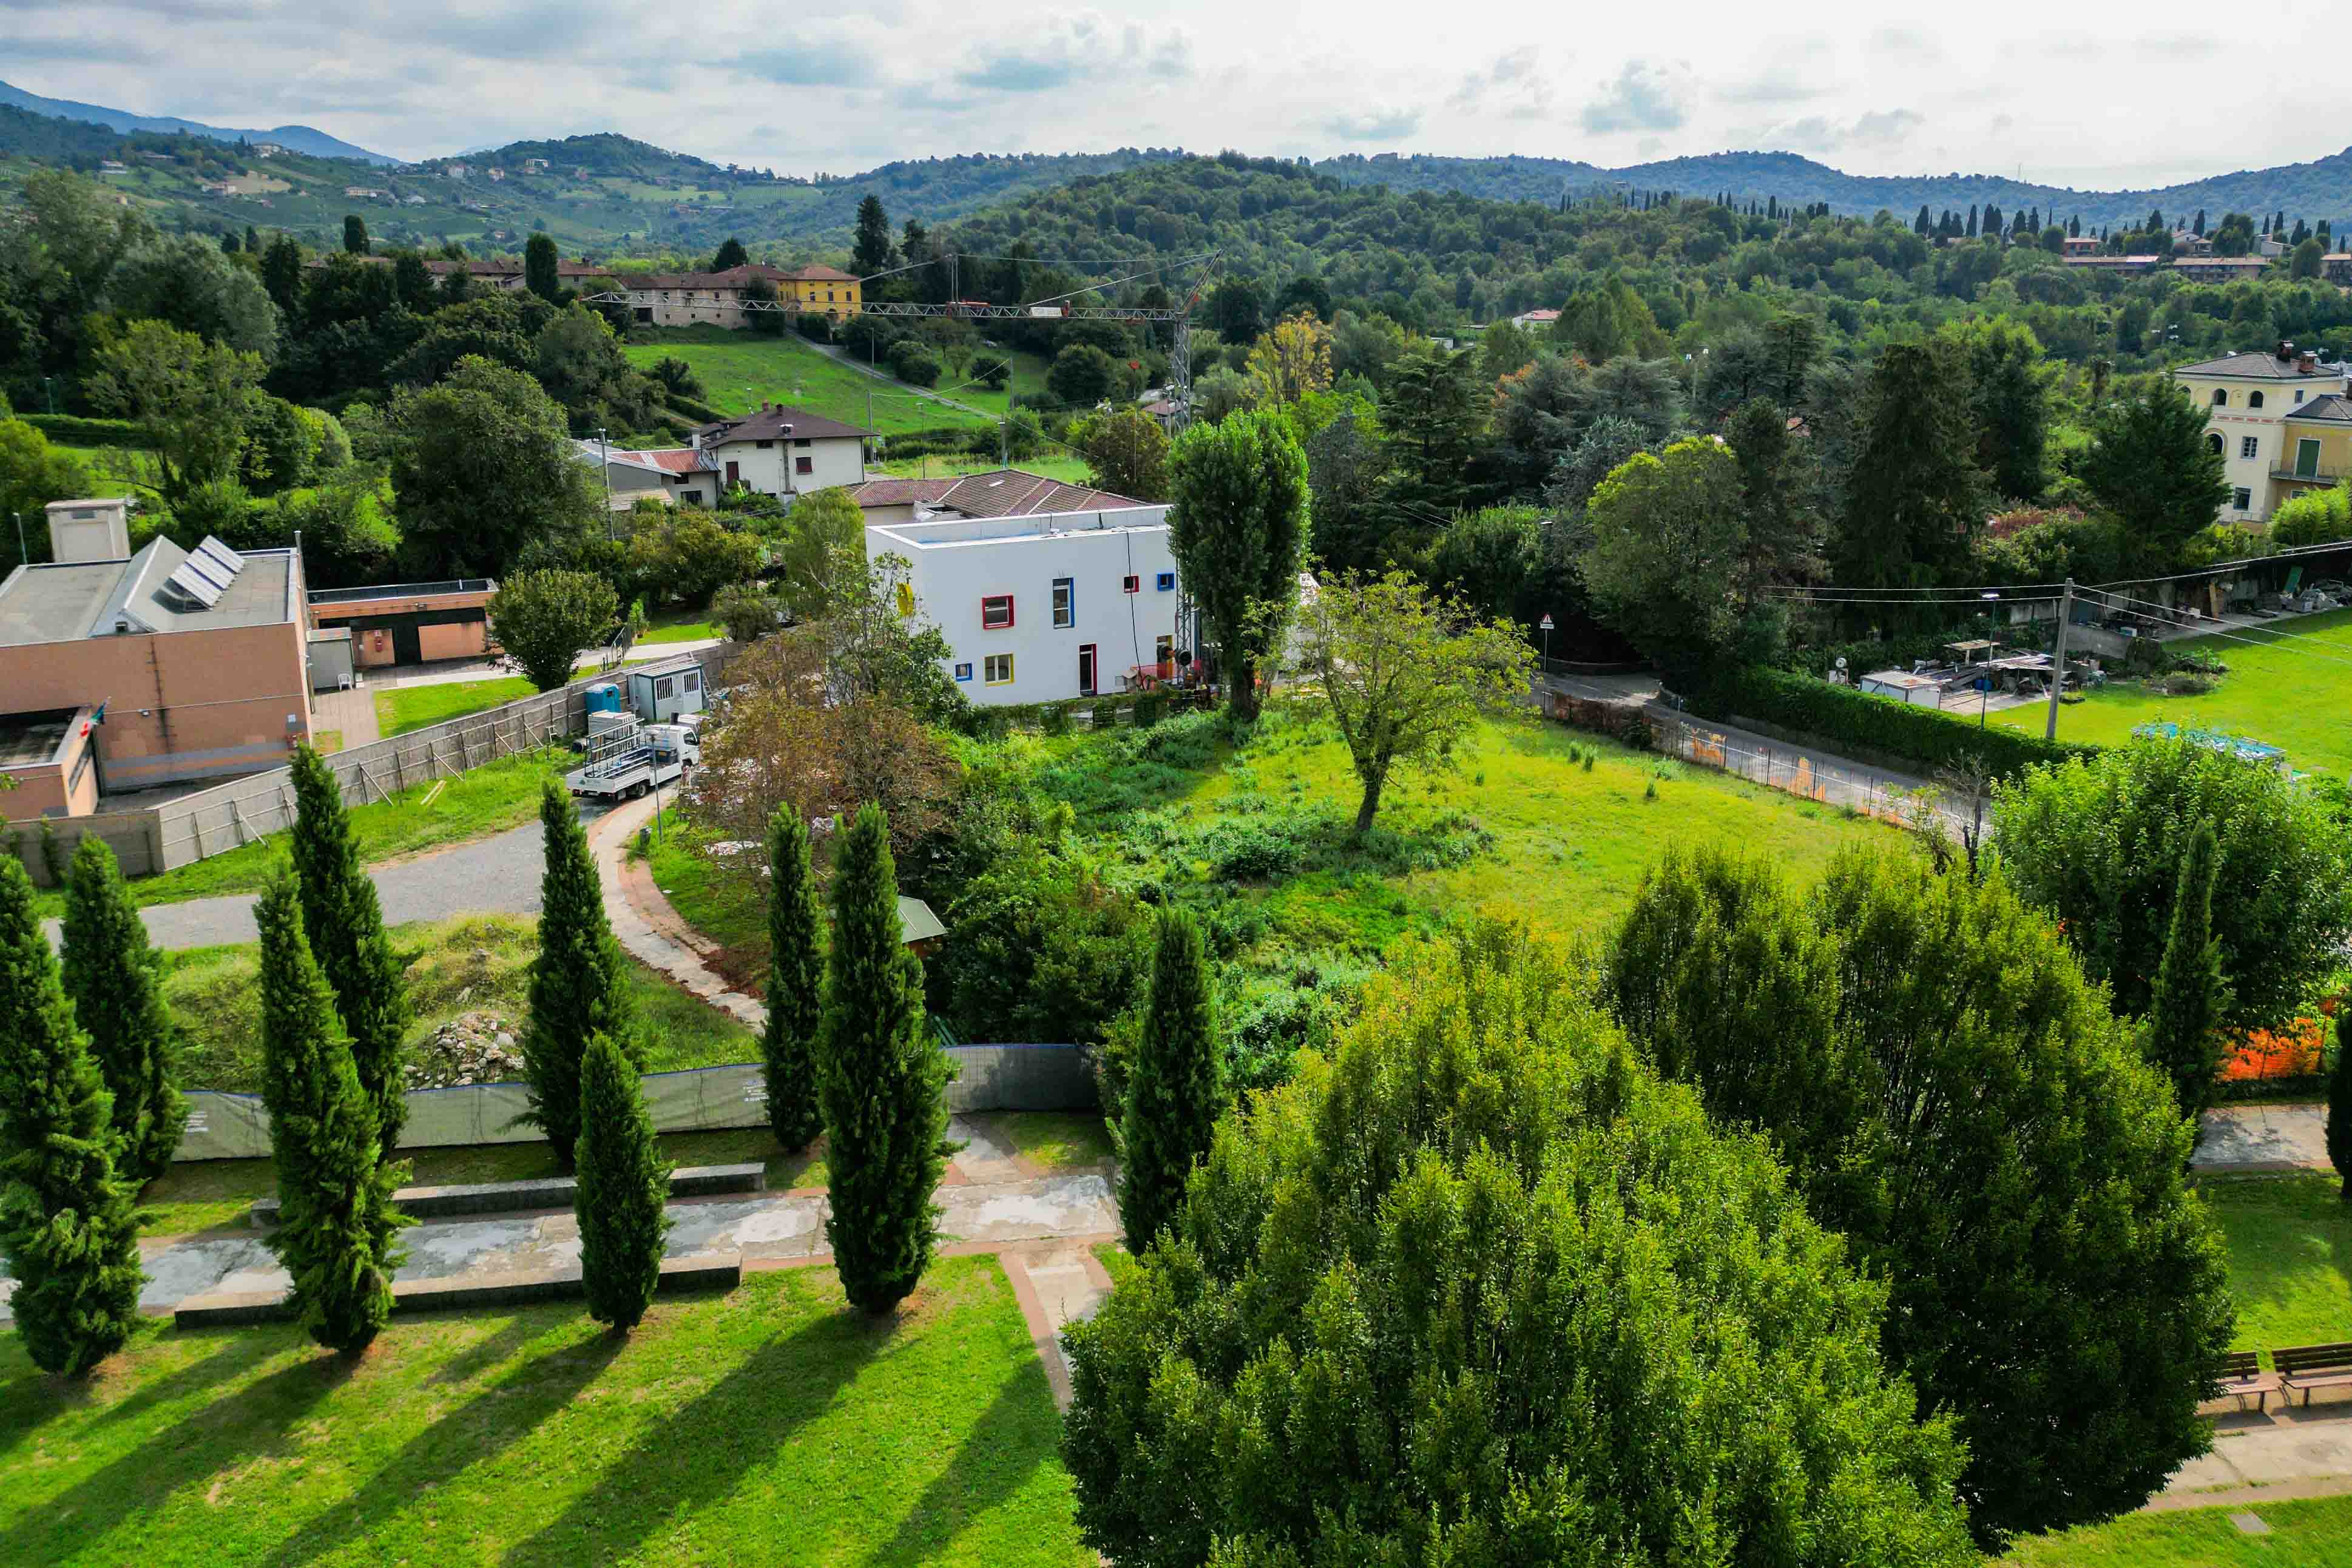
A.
pixel 603 698
pixel 660 692
pixel 604 712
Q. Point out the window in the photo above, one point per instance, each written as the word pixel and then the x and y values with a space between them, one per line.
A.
pixel 2213 441
pixel 692 680
pixel 963 671
pixel 995 612
pixel 2248 444
pixel 2221 397
pixel 2298 395
pixel 1131 583
pixel 2253 400
pixel 763 446
pixel 803 465
pixel 801 442
pixel 1000 669
pixel 1167 582
pixel 1065 607
pixel 664 687
pixel 2243 499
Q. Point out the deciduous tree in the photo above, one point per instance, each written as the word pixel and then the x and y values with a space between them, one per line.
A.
pixel 482 464
pixel 1291 359
pixel 68 1228
pixel 621 1198
pixel 543 620
pixel 336 1228
pixel 1952 1095
pixel 1238 530
pixel 189 399
pixel 1127 454
pixel 795 984
pixel 1669 541
pixel 880 1083
pixel 113 976
pixel 1173 1094
pixel 353 948
pixel 1482 1289
pixel 579 981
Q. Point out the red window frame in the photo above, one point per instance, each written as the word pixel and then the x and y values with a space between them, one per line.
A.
pixel 986 623
pixel 1132 583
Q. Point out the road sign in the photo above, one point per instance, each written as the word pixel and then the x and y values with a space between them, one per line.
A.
pixel 1545 623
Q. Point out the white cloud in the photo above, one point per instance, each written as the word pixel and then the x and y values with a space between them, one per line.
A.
pixel 1378 125
pixel 1644 97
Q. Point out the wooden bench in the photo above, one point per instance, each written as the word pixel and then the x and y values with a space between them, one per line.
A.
pixel 2243 1374
pixel 2307 1367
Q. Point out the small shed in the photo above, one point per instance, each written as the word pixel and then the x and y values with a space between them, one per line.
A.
pixel 663 690
pixel 1924 691
pixel 328 652
pixel 917 927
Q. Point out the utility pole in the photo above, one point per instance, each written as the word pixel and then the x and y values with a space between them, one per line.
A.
pixel 2058 661
pixel 605 450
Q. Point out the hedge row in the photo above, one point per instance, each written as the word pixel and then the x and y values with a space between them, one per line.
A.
pixel 74 430
pixel 688 406
pixel 1840 713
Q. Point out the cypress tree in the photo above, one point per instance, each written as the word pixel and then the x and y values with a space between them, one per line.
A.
pixel 336 1222
pixel 2181 1033
pixel 1173 1092
pixel 110 974
pixel 879 1081
pixel 795 983
pixel 2340 1102
pixel 345 923
pixel 68 1227
pixel 623 1193
pixel 579 982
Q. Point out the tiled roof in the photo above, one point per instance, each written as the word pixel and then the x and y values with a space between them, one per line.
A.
pixel 2333 407
pixel 778 421
pixel 653 459
pixel 737 276
pixel 1000 492
pixel 2262 366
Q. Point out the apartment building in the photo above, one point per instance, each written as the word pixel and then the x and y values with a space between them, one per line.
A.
pixel 2251 400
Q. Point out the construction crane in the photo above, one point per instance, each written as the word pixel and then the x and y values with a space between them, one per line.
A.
pixel 1054 308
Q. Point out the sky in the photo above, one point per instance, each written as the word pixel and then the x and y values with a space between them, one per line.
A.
pixel 2097 94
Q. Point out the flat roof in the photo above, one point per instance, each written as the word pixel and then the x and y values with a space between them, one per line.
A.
pixel 52 603
pixel 969 532
pixel 1902 678
pixel 32 740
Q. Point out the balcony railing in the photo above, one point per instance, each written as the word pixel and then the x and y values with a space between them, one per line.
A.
pixel 2308 476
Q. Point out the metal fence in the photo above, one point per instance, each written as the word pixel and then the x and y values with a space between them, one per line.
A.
pixel 987 1078
pixel 211 822
pixel 1796 772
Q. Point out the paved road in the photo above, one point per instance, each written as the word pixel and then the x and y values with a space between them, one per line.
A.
pixel 2262 1138
pixel 499 875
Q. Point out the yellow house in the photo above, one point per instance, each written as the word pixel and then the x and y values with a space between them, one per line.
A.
pixel 2248 398
pixel 719 299
pixel 2315 452
pixel 819 290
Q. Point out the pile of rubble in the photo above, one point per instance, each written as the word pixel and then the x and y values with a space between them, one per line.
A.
pixel 472 1048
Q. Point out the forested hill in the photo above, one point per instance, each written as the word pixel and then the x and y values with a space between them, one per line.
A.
pixel 2319 189
pixel 296 138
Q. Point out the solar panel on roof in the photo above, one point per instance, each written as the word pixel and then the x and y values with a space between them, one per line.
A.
pixel 222 553
pixel 188 584
pixel 210 570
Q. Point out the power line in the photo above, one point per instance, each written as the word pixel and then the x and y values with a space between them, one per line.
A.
pixel 2284 640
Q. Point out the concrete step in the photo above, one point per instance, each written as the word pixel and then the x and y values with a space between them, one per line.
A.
pixel 550 1193
pixel 239 1308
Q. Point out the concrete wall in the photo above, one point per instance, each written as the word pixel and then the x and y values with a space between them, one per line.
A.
pixel 958 564
pixel 180 705
pixel 775 468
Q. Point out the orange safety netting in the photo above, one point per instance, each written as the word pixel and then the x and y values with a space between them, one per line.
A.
pixel 2298 1050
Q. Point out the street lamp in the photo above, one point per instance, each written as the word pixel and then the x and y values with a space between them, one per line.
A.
pixel 1984 697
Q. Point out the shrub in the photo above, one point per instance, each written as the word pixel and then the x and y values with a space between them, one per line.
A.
pixel 1173 1092
pixel 1838 713
pixel 913 363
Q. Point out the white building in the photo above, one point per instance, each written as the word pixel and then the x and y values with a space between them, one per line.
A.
pixel 1044 607
pixel 777 451
pixel 2245 398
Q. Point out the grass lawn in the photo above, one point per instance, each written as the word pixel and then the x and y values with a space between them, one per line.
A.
pixel 678 625
pixel 769 1426
pixel 205 1194
pixel 717 901
pixel 2290 1256
pixel 2271 693
pixel 738 369
pixel 472 963
pixel 400 708
pixel 2303 1535
pixel 488 799
pixel 1057 1140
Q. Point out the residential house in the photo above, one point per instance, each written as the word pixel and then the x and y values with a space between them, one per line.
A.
pixel 776 451
pixel 719 299
pixel 534 165
pixel 166 664
pixel 2337 267
pixel 498 174
pixel 112 166
pixel 2127 264
pixel 2079 245
pixel 2221 268
pixel 1000 492
pixel 1535 319
pixel 266 149
pixel 366 192
pixel 456 171
pixel 2186 243
pixel 1038 607
pixel 2248 399
pixel 2315 447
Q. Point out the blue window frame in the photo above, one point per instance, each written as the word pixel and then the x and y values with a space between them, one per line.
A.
pixel 1065 601
pixel 1167 581
pixel 964 669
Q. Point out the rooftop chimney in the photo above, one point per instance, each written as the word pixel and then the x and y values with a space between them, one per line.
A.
pixel 2308 363
pixel 85 530
pixel 2285 348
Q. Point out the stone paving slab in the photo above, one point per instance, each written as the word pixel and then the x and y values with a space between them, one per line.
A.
pixel 2282 1447
pixel 774 1226
pixel 2263 1138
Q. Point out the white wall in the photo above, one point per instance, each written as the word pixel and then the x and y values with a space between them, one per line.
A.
pixel 774 469
pixel 958 563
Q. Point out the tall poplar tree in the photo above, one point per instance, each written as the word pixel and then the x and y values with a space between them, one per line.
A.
pixel 880 1080
pixel 623 1193
pixel 111 971
pixel 1238 531
pixel 579 982
pixel 68 1227
pixel 336 1223
pixel 2181 1036
pixel 1173 1092
pixel 795 983
pixel 345 920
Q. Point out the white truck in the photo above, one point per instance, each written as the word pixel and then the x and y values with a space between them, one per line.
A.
pixel 624 763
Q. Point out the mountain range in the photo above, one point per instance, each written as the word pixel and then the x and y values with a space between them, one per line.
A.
pixel 296 138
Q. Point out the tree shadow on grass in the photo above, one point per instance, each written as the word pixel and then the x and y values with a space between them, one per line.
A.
pixel 1017 1432
pixel 255 1422
pixel 232 1352
pixel 479 1430
pixel 490 1349
pixel 684 1461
